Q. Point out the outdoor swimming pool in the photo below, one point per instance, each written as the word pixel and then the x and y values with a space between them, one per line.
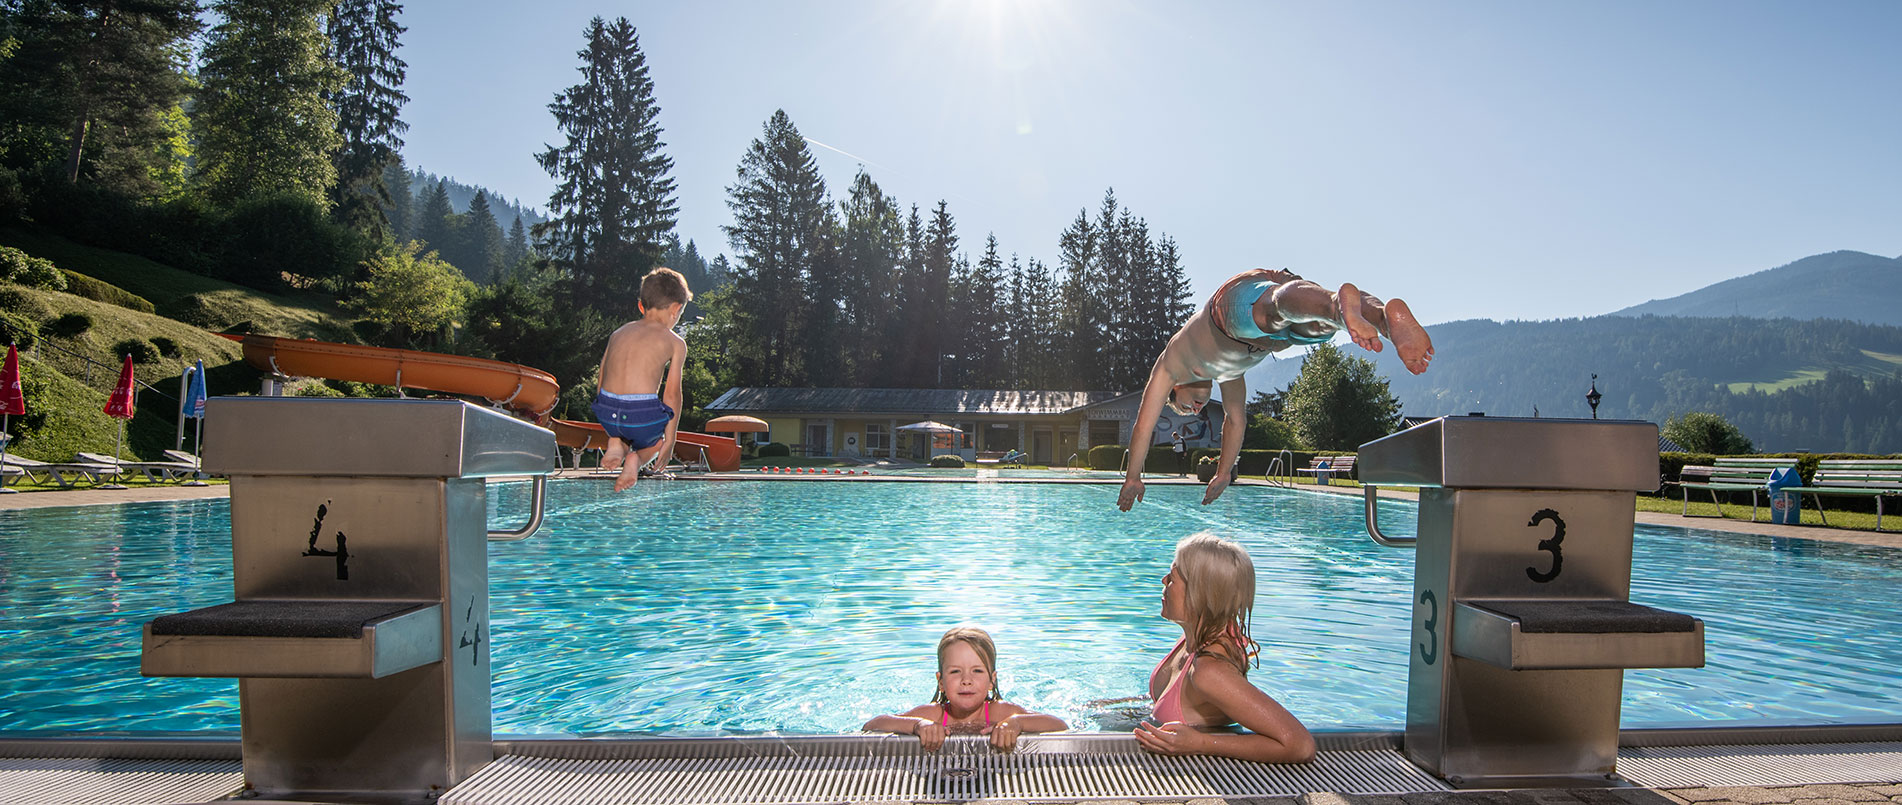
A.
pixel 698 608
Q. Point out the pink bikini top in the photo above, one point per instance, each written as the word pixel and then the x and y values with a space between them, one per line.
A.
pixel 1169 705
pixel 946 710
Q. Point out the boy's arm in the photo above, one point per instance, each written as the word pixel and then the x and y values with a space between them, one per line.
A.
pixel 673 396
pixel 1234 427
pixel 1154 395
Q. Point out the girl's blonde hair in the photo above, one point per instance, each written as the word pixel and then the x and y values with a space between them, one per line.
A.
pixel 980 642
pixel 1218 582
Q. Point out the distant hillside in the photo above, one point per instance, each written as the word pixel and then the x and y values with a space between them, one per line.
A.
pixel 505 209
pixel 1824 385
pixel 1839 285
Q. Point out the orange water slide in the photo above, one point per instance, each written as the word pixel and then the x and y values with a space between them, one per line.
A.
pixel 530 393
pixel 722 453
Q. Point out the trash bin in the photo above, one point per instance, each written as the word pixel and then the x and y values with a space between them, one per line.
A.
pixel 1785 507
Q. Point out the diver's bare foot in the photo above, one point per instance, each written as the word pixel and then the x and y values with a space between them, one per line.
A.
pixel 616 453
pixel 625 481
pixel 1358 327
pixel 1410 340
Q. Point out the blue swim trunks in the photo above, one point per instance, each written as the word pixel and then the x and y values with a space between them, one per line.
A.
pixel 639 419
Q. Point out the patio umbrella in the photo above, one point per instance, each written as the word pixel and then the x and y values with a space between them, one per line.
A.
pixel 736 424
pixel 930 427
pixel 119 407
pixel 194 407
pixel 12 402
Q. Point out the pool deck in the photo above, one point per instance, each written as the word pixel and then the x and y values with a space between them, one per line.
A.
pixel 1853 787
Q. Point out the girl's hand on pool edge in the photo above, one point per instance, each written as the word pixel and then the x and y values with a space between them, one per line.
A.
pixel 1004 734
pixel 1167 739
pixel 1131 495
pixel 930 734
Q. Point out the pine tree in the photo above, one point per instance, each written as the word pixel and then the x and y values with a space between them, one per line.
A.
pixel 363 41
pixel 1040 332
pixel 1080 324
pixel 932 313
pixel 1016 335
pixel 482 241
pixel 614 203
pixel 400 211
pixel 913 365
pixel 870 254
pixel 517 249
pixel 96 85
pixel 984 313
pixel 263 126
pixel 435 222
pixel 780 216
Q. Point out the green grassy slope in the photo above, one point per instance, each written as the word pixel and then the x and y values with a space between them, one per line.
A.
pixel 192 298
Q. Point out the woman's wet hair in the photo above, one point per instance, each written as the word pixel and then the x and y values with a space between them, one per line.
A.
pixel 980 642
pixel 1218 582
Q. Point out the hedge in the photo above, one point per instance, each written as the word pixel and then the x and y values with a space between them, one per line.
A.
pixel 947 461
pixel 101 291
pixel 774 449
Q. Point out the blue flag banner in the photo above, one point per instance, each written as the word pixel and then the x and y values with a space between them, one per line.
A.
pixel 195 393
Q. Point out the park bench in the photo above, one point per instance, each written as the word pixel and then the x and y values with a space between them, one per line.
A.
pixel 1324 468
pixel 1878 478
pixel 1729 475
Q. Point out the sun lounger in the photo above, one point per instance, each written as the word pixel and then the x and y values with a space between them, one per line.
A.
pixel 67 474
pixel 154 471
pixel 10 474
pixel 187 458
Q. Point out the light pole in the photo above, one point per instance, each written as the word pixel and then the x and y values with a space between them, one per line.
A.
pixel 1592 397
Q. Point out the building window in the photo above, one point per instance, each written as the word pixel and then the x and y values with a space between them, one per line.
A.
pixel 877 438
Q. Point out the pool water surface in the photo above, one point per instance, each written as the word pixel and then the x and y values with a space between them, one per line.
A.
pixel 700 608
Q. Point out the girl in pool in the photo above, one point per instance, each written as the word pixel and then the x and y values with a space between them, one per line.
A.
pixel 1201 686
pixel 967 701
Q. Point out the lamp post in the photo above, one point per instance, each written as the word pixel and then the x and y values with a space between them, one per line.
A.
pixel 1592 397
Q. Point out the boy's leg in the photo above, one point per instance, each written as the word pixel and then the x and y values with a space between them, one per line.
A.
pixel 631 469
pixel 1367 318
pixel 616 453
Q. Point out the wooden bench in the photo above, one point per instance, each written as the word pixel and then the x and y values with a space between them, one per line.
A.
pixel 1324 468
pixel 1729 475
pixel 1877 478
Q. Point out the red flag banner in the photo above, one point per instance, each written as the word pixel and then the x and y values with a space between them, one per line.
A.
pixel 120 406
pixel 12 397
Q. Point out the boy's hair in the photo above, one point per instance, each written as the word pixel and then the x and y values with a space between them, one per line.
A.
pixel 1219 584
pixel 980 642
pixel 662 287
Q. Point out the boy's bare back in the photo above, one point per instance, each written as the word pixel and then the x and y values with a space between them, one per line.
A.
pixel 637 357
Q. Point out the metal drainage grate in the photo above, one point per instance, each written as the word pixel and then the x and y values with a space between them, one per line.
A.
pixel 965 770
pixel 1769 764
pixel 116 781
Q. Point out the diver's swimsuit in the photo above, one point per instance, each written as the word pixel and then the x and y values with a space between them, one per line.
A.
pixel 639 419
pixel 946 710
pixel 1237 306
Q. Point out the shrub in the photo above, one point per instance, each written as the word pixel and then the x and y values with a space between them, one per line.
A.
pixel 947 461
pixel 1162 458
pixel 16 300
pixel 1205 468
pixel 102 291
pixel 34 272
pixel 141 350
pixel 71 325
pixel 267 242
pixel 774 450
pixel 166 346
pixel 1107 457
pixel 18 330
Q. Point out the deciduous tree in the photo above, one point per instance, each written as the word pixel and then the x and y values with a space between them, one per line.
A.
pixel 1338 402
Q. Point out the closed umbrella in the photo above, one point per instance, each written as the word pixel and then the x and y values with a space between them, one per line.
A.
pixel 12 402
pixel 119 407
pixel 195 408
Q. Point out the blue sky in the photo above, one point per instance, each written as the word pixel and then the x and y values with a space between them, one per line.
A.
pixel 1480 158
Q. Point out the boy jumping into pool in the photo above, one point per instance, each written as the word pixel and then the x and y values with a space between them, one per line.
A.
pixel 1253 315
pixel 644 357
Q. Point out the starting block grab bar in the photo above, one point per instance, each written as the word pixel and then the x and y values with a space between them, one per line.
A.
pixel 1373 522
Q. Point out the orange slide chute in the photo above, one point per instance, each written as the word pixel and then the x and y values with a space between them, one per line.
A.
pixel 529 392
pixel 722 453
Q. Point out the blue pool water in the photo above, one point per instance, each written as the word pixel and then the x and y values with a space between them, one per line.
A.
pixel 708 608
